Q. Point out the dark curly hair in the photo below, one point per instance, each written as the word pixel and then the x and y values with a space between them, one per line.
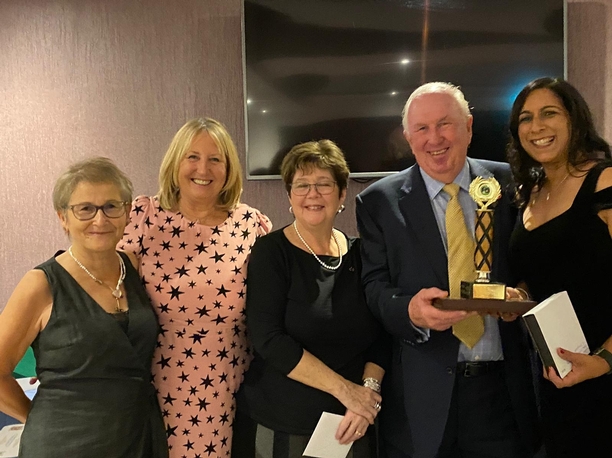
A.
pixel 585 143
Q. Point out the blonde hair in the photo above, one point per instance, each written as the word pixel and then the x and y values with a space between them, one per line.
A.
pixel 169 192
pixel 436 88
pixel 92 170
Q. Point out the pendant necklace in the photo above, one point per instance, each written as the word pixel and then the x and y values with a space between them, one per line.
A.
pixel 212 219
pixel 551 189
pixel 116 292
pixel 326 266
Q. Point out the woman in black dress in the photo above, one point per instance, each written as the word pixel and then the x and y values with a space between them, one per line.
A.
pixel 92 328
pixel 563 242
pixel 317 346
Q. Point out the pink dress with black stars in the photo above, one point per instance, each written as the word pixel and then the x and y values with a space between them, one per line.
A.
pixel 196 278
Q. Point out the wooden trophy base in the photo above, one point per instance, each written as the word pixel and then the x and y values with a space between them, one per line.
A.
pixel 485 298
pixel 486 306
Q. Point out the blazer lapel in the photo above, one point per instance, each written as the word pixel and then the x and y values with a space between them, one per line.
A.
pixel 416 208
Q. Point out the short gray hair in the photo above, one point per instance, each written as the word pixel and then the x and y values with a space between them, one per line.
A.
pixel 92 170
pixel 436 88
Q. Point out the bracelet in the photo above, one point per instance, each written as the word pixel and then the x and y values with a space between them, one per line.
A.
pixel 524 294
pixel 372 383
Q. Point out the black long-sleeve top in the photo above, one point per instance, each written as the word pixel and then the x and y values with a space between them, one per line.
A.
pixel 294 304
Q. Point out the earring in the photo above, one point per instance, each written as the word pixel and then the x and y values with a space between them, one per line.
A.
pixel 341 209
pixel 291 210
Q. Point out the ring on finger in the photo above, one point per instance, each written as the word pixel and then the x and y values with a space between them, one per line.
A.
pixel 377 406
pixel 358 433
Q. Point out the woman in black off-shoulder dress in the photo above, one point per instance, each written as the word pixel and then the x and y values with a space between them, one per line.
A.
pixel 563 242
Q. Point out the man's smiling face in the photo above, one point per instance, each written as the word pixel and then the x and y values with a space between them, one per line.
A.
pixel 439 133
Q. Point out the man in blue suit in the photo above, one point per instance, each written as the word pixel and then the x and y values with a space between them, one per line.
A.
pixel 442 398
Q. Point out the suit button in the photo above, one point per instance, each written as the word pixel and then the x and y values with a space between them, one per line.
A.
pixel 449 370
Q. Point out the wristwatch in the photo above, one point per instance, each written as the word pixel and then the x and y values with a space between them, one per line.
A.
pixel 605 354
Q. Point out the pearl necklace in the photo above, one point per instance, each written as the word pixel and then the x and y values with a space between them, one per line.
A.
pixel 533 201
pixel 326 266
pixel 116 292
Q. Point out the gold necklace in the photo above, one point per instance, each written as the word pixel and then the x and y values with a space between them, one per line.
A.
pixel 116 292
pixel 204 221
pixel 533 201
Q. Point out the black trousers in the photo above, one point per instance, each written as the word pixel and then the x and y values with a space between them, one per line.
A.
pixel 481 421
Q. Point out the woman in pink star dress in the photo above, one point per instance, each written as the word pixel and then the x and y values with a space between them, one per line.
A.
pixel 193 240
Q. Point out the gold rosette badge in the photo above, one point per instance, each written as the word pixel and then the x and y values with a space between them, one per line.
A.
pixel 485 191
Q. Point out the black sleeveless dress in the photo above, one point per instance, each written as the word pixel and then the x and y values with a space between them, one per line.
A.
pixel 573 253
pixel 95 397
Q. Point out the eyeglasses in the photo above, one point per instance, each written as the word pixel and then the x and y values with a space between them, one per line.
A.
pixel 324 188
pixel 87 211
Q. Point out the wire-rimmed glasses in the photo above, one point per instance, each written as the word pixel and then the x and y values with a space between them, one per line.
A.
pixel 323 187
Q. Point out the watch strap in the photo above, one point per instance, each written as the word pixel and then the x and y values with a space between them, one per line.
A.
pixel 605 354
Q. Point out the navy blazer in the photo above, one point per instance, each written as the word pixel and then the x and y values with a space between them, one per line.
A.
pixel 403 252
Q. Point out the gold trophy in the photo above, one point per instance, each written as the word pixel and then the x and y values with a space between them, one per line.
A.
pixel 485 192
pixel 484 295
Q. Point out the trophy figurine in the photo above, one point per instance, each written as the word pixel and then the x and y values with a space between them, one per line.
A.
pixel 485 192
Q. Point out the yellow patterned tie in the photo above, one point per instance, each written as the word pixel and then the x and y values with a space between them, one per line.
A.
pixel 461 248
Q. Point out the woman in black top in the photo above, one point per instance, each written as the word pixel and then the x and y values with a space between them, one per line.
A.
pixel 563 242
pixel 317 346
pixel 93 331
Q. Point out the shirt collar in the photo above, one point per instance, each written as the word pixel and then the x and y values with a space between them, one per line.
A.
pixel 434 186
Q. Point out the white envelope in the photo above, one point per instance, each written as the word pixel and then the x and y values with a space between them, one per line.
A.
pixel 323 443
